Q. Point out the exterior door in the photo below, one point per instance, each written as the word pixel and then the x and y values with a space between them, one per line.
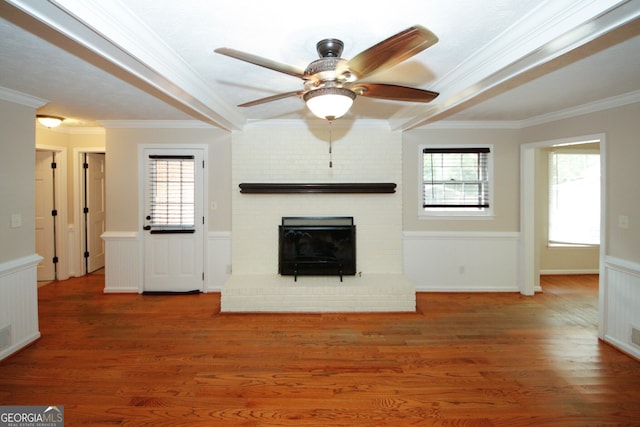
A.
pixel 96 212
pixel 173 223
pixel 45 235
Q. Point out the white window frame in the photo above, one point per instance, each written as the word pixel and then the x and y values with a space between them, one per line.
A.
pixel 455 213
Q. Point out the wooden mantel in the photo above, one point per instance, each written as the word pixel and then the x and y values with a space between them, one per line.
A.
pixel 291 188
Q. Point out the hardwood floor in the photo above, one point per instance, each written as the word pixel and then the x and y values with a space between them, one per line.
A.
pixel 481 359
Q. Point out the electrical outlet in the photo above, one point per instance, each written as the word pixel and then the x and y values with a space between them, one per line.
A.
pixel 635 335
pixel 5 337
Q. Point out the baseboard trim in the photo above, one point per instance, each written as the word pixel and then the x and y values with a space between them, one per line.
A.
pixel 19 345
pixel 567 272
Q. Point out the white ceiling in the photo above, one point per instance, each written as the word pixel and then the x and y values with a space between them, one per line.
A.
pixel 497 60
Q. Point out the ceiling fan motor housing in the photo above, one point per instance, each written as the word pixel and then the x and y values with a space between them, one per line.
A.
pixel 330 48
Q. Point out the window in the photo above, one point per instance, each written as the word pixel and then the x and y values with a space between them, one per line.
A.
pixel 574 197
pixel 456 180
pixel 172 193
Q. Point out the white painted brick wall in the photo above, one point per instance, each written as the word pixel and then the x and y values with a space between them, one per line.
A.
pixel 298 154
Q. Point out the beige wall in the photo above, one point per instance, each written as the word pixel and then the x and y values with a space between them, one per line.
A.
pixel 17 171
pixel 63 138
pixel 122 172
pixel 558 259
pixel 506 155
pixel 622 151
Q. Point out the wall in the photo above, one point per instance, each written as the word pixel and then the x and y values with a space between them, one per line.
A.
pixel 298 154
pixel 620 275
pixel 17 166
pixel 463 254
pixel 122 160
pixel 69 142
pixel 123 239
pixel 621 127
pixel 559 259
pixel 18 261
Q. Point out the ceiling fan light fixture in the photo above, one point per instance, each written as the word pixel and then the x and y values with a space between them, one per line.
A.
pixel 49 121
pixel 329 102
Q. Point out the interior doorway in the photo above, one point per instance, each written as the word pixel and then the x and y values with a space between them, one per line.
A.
pixel 51 213
pixel 89 171
pixel 45 216
pixel 531 237
pixel 94 210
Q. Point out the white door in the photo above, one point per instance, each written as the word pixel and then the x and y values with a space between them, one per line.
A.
pixel 45 236
pixel 96 212
pixel 173 223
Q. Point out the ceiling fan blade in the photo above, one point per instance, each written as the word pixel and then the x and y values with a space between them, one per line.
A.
pixel 394 92
pixel 262 62
pixel 271 98
pixel 392 51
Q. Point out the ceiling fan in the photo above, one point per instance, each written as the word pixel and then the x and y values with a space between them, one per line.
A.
pixel 331 83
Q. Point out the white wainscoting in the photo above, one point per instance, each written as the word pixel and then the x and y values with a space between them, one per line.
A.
pixel 123 262
pixel 218 260
pixel 124 257
pixel 18 303
pixel 462 261
pixel 620 301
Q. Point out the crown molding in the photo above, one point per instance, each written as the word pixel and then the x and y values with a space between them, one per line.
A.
pixel 592 107
pixel 473 124
pixel 73 130
pixel 111 31
pixel 548 32
pixel 21 98
pixel 342 123
pixel 156 124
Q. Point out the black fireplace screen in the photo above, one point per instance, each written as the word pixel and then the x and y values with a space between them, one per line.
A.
pixel 317 246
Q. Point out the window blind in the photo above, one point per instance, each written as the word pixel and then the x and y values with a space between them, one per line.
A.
pixel 171 193
pixel 456 177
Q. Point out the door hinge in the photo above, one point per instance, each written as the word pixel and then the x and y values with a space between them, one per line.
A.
pixel 202 220
pixel 86 254
pixel 54 165
pixel 203 276
pixel 54 212
pixel 85 165
pixel 203 164
pixel 85 210
pixel 55 259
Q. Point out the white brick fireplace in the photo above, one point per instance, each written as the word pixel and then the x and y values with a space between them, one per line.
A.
pixel 298 154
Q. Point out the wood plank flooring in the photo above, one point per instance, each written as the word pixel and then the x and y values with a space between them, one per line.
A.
pixel 480 359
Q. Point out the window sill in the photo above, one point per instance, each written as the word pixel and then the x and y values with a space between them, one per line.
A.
pixel 570 246
pixel 448 217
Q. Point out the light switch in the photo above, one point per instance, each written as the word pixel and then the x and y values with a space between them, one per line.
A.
pixel 623 221
pixel 16 220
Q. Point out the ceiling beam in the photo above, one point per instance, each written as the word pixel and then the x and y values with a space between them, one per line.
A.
pixel 548 32
pixel 110 31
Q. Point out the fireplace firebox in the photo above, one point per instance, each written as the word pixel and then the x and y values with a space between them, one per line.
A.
pixel 317 246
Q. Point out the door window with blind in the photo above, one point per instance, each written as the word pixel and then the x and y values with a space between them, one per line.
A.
pixel 456 181
pixel 171 195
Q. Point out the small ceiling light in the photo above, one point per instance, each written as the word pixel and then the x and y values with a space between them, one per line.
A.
pixel 49 121
pixel 329 103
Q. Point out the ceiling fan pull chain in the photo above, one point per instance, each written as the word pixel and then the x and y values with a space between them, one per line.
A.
pixel 330 141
